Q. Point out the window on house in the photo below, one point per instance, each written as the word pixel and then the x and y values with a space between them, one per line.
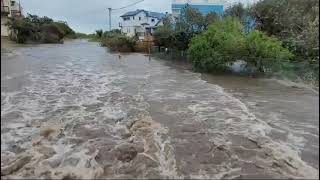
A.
pixel 126 18
pixel 12 3
pixel 152 20
pixel 139 18
pixel 133 17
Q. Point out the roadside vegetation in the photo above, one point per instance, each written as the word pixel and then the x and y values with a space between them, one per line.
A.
pixel 271 38
pixel 118 42
pixel 35 29
pixel 225 42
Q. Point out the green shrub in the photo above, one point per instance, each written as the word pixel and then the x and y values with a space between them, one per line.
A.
pixel 51 33
pixel 262 48
pixel 34 19
pixel 164 36
pixel 118 42
pixel 67 31
pixel 142 47
pixel 219 46
pixel 39 29
pixel 21 30
pixel 99 33
pixel 181 40
pixel 295 22
pixel 225 42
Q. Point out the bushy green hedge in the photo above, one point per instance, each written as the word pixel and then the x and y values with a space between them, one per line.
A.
pixel 116 41
pixel 221 44
pixel 67 31
pixel 260 45
pixel 39 29
pixel 225 42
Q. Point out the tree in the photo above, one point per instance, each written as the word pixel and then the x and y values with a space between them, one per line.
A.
pixel 67 31
pixel 38 20
pixel 167 21
pixel 220 45
pixel 21 29
pixel 118 31
pixel 237 10
pixel 210 19
pixel 52 33
pixel 99 33
pixel 262 47
pixel 295 22
pixel 38 29
pixel 181 40
pixel 226 41
pixel 191 20
pixel 164 36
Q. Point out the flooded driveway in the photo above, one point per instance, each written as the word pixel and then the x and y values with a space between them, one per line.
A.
pixel 75 110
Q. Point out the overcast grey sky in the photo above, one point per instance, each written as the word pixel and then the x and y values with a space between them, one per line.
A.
pixel 88 15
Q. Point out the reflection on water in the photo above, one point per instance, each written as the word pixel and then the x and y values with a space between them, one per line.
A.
pixel 75 110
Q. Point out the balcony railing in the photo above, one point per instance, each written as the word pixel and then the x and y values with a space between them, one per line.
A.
pixel 4 10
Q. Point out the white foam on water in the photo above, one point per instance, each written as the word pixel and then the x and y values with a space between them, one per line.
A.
pixel 69 63
pixel 113 112
pixel 301 169
pixel 166 157
pixel 261 129
pixel 15 125
pixel 297 142
pixel 251 126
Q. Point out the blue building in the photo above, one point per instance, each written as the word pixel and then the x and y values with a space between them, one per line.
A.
pixel 207 6
pixel 204 6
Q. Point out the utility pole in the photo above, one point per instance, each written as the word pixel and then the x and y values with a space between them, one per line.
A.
pixel 110 9
pixel 110 18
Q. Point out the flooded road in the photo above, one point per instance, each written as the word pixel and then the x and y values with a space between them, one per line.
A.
pixel 75 110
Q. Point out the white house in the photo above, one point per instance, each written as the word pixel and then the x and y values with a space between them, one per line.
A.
pixel 9 8
pixel 140 23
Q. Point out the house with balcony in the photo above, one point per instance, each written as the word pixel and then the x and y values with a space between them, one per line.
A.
pixel 203 6
pixel 140 23
pixel 9 8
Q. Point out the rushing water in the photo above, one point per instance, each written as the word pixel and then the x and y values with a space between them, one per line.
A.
pixel 76 110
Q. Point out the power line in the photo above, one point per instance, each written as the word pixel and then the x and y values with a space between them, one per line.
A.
pixel 111 9
pixel 128 5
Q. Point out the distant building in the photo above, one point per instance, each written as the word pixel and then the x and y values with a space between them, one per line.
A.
pixel 204 6
pixel 9 8
pixel 140 23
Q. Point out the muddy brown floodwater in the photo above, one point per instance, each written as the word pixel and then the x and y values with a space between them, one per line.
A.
pixel 74 110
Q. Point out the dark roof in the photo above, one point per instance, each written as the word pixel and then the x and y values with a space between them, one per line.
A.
pixel 156 15
pixel 132 13
pixel 149 13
